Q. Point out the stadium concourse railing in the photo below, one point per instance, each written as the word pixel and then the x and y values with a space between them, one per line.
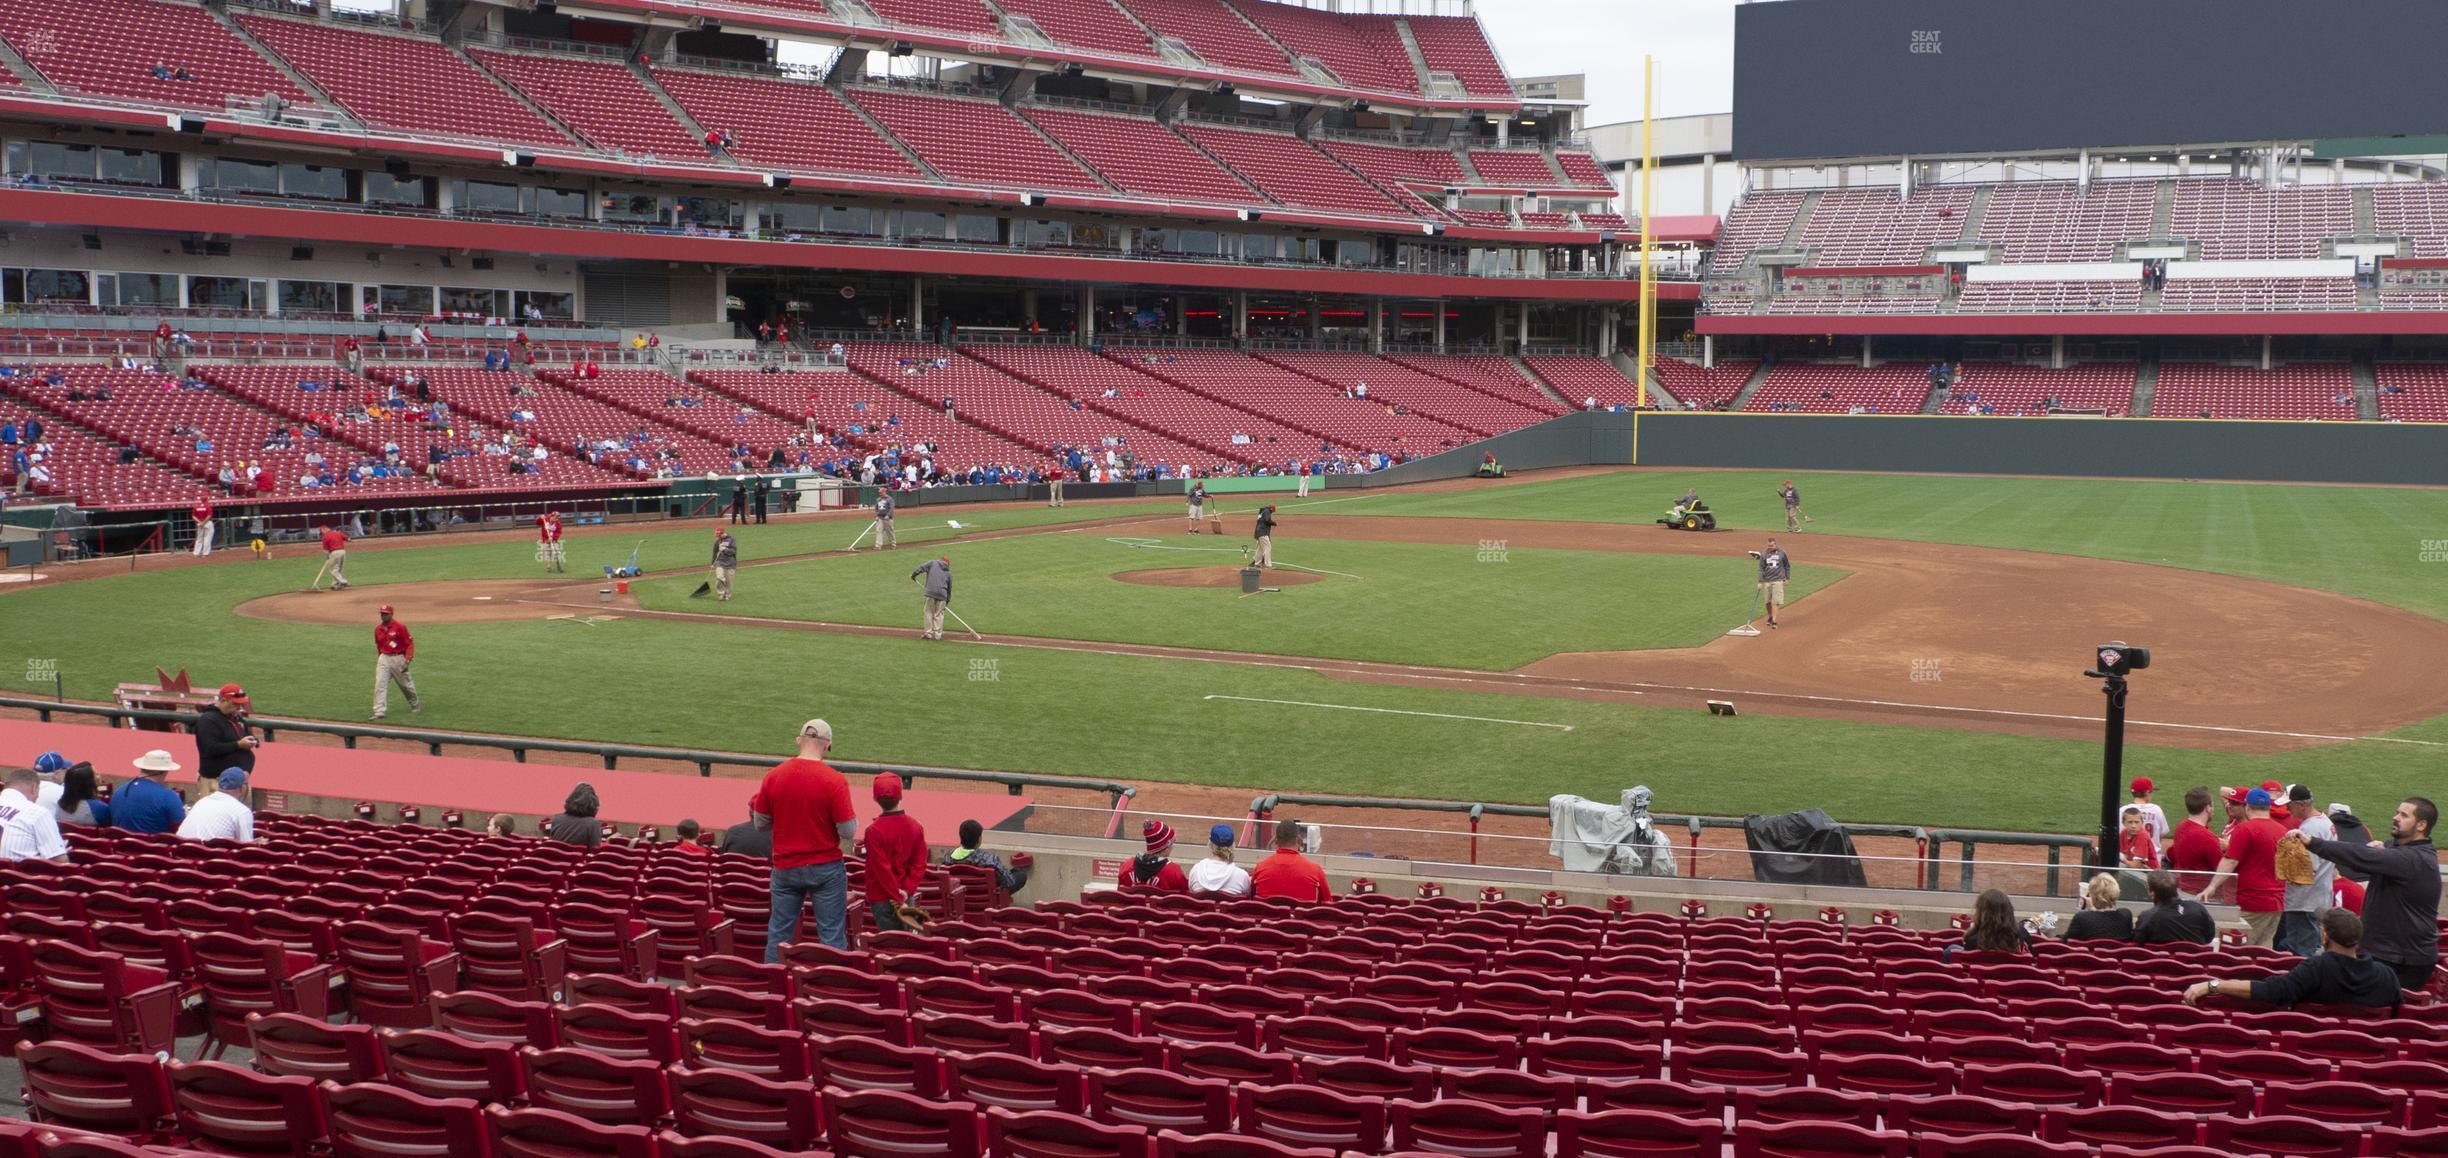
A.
pixel 1119 796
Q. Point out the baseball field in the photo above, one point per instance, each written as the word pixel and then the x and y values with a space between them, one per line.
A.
pixel 1483 641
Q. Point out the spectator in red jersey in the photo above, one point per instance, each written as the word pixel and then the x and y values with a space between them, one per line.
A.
pixel 2136 846
pixel 2194 853
pixel 688 831
pixel 2252 855
pixel 896 856
pixel 1287 873
pixel 2349 895
pixel 806 805
pixel 1154 869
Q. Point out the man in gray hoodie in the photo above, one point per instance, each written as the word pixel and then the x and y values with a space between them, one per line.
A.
pixel 938 575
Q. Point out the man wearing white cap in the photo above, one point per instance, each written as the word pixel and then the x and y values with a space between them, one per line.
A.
pixel 223 815
pixel 147 803
pixel 28 831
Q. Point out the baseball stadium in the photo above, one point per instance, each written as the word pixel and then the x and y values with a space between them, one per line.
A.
pixel 1148 578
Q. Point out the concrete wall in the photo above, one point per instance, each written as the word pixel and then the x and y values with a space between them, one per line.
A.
pixel 2337 452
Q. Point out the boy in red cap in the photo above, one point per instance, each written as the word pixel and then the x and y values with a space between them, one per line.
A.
pixel 2278 804
pixel 2154 820
pixel 896 856
pixel 1154 869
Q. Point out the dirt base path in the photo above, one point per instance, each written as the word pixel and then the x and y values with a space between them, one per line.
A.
pixel 1918 633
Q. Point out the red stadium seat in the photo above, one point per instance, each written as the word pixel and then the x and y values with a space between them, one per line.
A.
pixel 728 1103
pixel 80 1087
pixel 540 1133
pixel 440 1065
pixel 611 1091
pixel 1299 1116
pixel 1051 1134
pixel 286 1043
pixel 1467 1128
pixel 880 1122
pixel 377 1121
pixel 1818 1140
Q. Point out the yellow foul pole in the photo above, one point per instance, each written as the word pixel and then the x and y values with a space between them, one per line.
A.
pixel 1648 275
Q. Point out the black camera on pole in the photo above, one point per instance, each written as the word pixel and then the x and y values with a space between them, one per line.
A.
pixel 2115 660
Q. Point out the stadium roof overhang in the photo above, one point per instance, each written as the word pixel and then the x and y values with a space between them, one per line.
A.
pixel 2048 325
pixel 816 29
pixel 210 126
pixel 105 211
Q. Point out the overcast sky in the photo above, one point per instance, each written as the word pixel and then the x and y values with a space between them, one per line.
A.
pixel 1693 41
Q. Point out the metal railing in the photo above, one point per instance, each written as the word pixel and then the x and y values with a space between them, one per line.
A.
pixel 435 742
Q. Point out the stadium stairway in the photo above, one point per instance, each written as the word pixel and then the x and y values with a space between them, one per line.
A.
pixel 1629 364
pixel 1544 387
pixel 646 81
pixel 516 94
pixel 1412 53
pixel 1936 399
pixel 221 16
pixel 1759 378
pixel 2146 383
pixel 2366 389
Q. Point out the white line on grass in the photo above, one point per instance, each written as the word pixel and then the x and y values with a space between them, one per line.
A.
pixel 1393 712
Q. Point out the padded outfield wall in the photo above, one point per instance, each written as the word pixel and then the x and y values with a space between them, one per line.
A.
pixel 2174 448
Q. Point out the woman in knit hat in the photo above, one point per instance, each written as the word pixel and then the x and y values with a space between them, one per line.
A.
pixel 1154 869
pixel 1217 875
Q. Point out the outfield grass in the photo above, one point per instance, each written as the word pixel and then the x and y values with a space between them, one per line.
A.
pixel 1444 606
pixel 1139 719
pixel 2363 541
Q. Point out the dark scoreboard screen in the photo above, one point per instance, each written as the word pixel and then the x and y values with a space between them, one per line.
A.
pixel 1877 78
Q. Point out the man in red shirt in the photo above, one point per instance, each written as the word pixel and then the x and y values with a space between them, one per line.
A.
pixel 2252 854
pixel 548 539
pixel 1287 873
pixel 807 805
pixel 896 856
pixel 203 513
pixel 394 650
pixel 335 560
pixel 2194 851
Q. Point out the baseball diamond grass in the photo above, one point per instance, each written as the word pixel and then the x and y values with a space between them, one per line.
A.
pixel 1144 719
pixel 1447 606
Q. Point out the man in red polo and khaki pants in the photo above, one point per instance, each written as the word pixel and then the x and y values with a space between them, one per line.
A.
pixel 394 650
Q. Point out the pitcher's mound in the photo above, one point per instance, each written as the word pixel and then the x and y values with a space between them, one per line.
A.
pixel 459 601
pixel 1211 577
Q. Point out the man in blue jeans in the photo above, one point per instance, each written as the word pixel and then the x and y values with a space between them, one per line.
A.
pixel 807 805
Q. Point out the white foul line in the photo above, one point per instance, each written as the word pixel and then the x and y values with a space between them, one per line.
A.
pixel 1393 712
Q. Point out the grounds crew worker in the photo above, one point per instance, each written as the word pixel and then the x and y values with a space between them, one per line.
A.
pixel 883 519
pixel 548 538
pixel 1265 534
pixel 726 560
pixel 1775 567
pixel 1198 505
pixel 394 650
pixel 938 573
pixel 1794 518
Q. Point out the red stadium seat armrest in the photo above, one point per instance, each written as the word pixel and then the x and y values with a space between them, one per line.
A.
pixel 441 972
pixel 642 949
pixel 155 1010
pixel 552 965
pixel 308 991
pixel 719 937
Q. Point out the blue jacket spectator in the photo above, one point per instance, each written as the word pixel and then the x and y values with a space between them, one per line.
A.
pixel 147 804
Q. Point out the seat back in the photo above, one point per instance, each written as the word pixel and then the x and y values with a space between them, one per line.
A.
pixel 71 1084
pixel 380 1121
pixel 786 1115
pixel 608 1090
pixel 540 1133
pixel 292 1044
pixel 240 1110
pixel 443 1065
pixel 887 1122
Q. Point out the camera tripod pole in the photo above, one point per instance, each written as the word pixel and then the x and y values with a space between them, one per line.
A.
pixel 2112 771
